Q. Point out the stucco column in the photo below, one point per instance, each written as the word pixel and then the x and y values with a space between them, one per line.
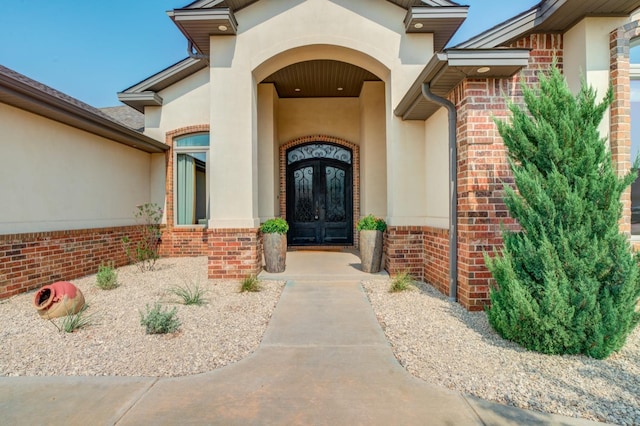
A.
pixel 373 155
pixel 233 147
pixel 268 173
pixel 587 57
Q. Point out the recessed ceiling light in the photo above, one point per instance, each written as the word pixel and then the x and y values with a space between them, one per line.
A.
pixel 297 89
pixel 483 70
pixel 418 25
pixel 340 89
pixel 222 27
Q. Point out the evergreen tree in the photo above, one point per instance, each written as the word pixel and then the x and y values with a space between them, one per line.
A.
pixel 568 281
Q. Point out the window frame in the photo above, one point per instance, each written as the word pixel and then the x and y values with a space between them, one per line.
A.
pixel 177 150
pixel 634 75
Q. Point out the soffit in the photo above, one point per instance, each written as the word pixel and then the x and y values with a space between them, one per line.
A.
pixel 22 92
pixel 447 69
pixel 442 22
pixel 320 78
pixel 549 16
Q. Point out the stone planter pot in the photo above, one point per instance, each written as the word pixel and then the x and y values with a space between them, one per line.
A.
pixel 371 251
pixel 58 300
pixel 275 252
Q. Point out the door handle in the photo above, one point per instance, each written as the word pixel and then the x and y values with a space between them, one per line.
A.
pixel 317 216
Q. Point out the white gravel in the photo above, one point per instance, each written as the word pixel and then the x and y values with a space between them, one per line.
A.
pixel 226 329
pixel 435 339
pixel 440 342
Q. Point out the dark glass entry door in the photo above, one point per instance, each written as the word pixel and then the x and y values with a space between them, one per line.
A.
pixel 320 202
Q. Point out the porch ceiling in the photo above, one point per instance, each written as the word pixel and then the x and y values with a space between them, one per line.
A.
pixel 447 69
pixel 320 78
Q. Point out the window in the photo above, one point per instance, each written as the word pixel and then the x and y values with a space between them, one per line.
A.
pixel 191 195
pixel 634 72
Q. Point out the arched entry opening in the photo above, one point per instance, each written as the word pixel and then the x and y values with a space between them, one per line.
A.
pixel 321 122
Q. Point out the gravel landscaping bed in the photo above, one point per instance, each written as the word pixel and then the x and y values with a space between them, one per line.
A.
pixel 433 338
pixel 226 329
pixel 440 342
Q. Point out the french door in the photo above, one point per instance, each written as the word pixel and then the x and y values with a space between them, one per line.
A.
pixel 320 199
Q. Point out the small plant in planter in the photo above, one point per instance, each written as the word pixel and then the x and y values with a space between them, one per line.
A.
pixel 371 229
pixel 372 223
pixel 275 243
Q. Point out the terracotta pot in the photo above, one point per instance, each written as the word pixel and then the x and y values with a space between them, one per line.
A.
pixel 371 250
pixel 275 252
pixel 58 299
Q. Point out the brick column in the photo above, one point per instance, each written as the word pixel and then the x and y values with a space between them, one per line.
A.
pixel 234 253
pixel 483 169
pixel 404 250
pixel 620 139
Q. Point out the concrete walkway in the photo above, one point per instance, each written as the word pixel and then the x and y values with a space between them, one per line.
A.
pixel 324 360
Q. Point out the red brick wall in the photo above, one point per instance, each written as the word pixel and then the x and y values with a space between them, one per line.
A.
pixel 404 250
pixel 483 168
pixel 436 258
pixel 29 261
pixel 234 253
pixel 420 250
pixel 184 242
pixel 620 135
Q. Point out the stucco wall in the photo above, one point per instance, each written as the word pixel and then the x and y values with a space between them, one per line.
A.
pixel 272 35
pixel 61 178
pixel 185 103
pixel 437 169
pixel 339 117
pixel 406 179
pixel 586 56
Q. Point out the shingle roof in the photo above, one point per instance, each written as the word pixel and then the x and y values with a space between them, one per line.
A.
pixel 25 93
pixel 126 115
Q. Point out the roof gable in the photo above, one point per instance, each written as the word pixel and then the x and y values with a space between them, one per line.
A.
pixel 490 52
pixel 236 5
pixel 204 18
pixel 550 16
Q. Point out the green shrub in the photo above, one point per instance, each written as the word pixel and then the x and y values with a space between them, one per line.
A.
pixel 250 283
pixel 72 322
pixel 401 282
pixel 159 320
pixel 568 281
pixel 145 252
pixel 189 295
pixel 107 277
pixel 371 223
pixel 275 226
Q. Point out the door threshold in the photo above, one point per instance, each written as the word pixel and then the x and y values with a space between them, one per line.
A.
pixel 321 248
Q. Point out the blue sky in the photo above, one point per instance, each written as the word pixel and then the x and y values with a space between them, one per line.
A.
pixel 93 49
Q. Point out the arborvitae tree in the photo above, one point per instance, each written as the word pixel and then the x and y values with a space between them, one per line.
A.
pixel 568 281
